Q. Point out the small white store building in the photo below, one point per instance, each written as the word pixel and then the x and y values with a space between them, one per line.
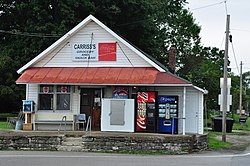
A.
pixel 94 72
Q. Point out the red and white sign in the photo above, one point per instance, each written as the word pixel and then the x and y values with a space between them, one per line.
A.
pixel 46 89
pixel 107 51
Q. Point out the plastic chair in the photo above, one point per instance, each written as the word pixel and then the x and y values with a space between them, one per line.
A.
pixel 81 119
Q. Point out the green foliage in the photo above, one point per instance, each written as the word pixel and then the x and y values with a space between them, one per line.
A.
pixel 3 126
pixel 153 26
pixel 207 73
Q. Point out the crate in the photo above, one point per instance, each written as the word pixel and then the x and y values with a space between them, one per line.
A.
pixel 27 126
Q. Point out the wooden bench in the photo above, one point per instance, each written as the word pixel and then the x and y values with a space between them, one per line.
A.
pixel 53 122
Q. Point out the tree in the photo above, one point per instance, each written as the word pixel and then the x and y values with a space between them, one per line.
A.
pixel 208 73
pixel 29 27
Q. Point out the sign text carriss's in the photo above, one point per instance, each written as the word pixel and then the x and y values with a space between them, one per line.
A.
pixel 94 51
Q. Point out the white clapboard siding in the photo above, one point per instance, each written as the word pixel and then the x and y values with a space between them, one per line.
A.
pixel 61 56
pixel 194 111
pixel 32 93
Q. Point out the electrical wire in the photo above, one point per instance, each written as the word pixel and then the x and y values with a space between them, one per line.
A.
pixel 30 34
pixel 214 4
pixel 91 41
pixel 226 7
pixel 125 54
pixel 243 30
pixel 222 42
pixel 234 56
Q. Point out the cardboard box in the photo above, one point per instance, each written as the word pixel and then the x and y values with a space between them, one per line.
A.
pixel 27 126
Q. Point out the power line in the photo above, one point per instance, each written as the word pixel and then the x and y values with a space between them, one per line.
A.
pixel 222 42
pixel 29 34
pixel 214 4
pixel 226 7
pixel 230 38
pixel 243 30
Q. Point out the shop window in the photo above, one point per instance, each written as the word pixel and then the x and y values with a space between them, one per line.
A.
pixel 46 101
pixel 54 97
pixel 46 97
pixel 63 98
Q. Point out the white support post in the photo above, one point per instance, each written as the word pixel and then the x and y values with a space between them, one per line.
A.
pixel 184 112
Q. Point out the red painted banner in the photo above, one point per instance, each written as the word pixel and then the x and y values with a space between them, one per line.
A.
pixel 107 51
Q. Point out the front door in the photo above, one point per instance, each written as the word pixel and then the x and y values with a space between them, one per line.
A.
pixel 90 105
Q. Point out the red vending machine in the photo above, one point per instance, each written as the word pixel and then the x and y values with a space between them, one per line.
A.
pixel 146 112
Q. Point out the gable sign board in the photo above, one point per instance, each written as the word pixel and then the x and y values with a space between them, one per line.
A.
pixel 84 52
pixel 94 51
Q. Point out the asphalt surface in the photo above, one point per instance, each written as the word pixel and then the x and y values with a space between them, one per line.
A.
pixel 25 158
pixel 221 157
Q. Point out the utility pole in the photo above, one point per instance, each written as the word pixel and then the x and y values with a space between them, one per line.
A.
pixel 225 89
pixel 240 105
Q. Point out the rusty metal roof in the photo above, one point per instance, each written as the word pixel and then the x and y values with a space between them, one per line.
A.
pixel 101 75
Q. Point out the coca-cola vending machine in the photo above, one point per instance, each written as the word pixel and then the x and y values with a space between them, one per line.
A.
pixel 146 112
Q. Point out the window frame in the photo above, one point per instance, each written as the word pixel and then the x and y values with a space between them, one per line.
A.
pixel 55 93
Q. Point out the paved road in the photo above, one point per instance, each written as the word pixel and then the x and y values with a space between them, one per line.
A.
pixel 27 158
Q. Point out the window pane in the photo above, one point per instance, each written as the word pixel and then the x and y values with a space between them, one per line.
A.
pixel 46 101
pixel 63 102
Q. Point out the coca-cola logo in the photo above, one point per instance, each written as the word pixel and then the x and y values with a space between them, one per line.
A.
pixel 141 122
pixel 142 97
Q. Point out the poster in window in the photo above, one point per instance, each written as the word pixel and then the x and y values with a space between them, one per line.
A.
pixel 120 93
pixel 64 89
pixel 107 51
pixel 45 89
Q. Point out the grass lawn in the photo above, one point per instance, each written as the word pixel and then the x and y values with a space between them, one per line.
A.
pixel 242 126
pixel 3 126
pixel 215 143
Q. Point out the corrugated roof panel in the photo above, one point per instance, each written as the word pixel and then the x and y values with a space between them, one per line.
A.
pixel 137 75
pixel 64 75
pixel 150 76
pixel 83 76
pixel 90 74
pixel 28 75
pixel 124 76
pixel 76 75
pixel 52 75
pixel 113 75
pixel 39 75
pixel 163 78
pixel 99 76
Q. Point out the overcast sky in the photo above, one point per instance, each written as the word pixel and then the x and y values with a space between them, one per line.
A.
pixel 211 16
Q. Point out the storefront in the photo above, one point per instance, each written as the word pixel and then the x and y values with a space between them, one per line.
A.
pixel 93 71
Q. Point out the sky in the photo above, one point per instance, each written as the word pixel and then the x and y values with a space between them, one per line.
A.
pixel 211 16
